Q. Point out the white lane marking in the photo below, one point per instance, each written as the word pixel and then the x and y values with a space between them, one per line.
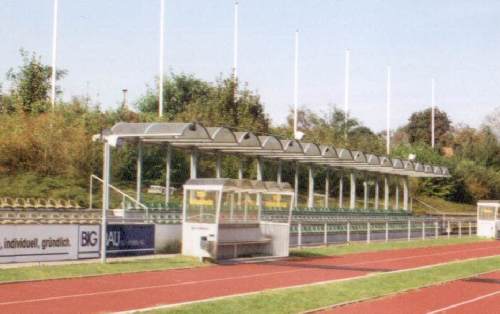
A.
pixel 222 279
pixel 464 302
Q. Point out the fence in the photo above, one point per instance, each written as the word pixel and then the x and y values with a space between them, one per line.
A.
pixel 338 232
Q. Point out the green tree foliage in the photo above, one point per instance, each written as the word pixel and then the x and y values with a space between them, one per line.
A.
pixel 418 128
pixel 31 84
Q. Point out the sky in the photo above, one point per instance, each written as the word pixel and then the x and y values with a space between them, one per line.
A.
pixel 108 45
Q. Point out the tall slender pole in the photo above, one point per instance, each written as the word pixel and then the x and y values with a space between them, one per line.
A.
pixel 433 113
pixel 54 56
pixel 160 74
pixel 388 104
pixel 235 42
pixel 346 91
pixel 296 85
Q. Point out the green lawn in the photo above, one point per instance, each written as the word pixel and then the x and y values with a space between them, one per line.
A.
pixel 92 269
pixel 295 300
pixel 360 247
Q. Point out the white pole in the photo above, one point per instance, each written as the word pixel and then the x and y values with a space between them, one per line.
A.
pixel 54 55
pixel 346 91
pixel 388 104
pixel 235 42
pixel 433 113
pixel 106 176
pixel 160 74
pixel 296 85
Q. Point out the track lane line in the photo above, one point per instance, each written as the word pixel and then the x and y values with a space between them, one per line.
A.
pixel 456 305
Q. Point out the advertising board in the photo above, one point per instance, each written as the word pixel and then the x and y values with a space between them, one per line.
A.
pixel 130 239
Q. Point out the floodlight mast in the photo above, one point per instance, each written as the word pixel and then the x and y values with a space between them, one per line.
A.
pixel 346 90
pixel 388 107
pixel 235 42
pixel 296 86
pixel 161 57
pixel 433 113
pixel 54 55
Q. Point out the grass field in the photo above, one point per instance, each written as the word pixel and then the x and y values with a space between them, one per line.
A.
pixel 93 269
pixel 377 246
pixel 296 300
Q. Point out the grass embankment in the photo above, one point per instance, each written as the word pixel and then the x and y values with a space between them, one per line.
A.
pixel 360 247
pixel 295 300
pixel 443 206
pixel 92 269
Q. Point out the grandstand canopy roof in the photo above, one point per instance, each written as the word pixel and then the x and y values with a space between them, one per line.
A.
pixel 220 139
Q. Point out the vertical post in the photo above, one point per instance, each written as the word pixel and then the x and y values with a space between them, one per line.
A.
pixel 161 57
pixel 396 193
pixel 423 229
pixel 325 234
pixel 348 231
pixel 310 197
pixel 235 42
pixel 346 92
pixel 436 229
pixel 433 109
pixel 368 232
pixel 193 164
pixel 139 171
pixel 240 168
pixel 459 229
pixel 218 165
pixel 105 197
pixel 470 229
pixel 386 231
pixel 279 172
pixel 365 194
pixel 341 192
pixel 352 200
pixel 296 85
pixel 377 193
pixel 409 229
pixel 388 107
pixel 406 193
pixel 260 168
pixel 168 174
pixel 91 194
pixel 54 57
pixel 327 188
pixel 386 192
pixel 448 229
pixel 296 185
pixel 299 241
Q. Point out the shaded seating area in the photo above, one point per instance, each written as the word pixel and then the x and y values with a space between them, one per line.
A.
pixel 223 218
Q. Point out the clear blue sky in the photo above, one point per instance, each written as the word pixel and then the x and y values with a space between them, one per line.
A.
pixel 113 44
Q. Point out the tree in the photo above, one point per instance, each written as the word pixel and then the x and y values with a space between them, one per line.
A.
pixel 492 121
pixel 419 126
pixel 31 83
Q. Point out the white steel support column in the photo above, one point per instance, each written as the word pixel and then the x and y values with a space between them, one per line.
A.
pixel 405 193
pixel 396 194
pixel 327 188
pixel 279 171
pixel 365 193
pixel 106 176
pixel 260 168
pixel 377 193
pixel 310 195
pixel 168 174
pixel 352 200
pixel 240 168
pixel 140 148
pixel 296 185
pixel 341 191
pixel 386 192
pixel 218 165
pixel 193 164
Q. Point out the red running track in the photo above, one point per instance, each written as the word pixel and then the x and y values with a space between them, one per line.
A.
pixel 474 295
pixel 146 289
